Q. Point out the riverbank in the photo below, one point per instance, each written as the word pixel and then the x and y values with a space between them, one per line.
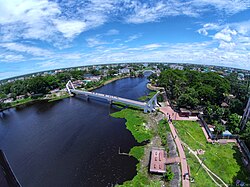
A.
pixel 154 88
pixel 108 81
pixel 22 102
pixel 29 100
pixel 145 129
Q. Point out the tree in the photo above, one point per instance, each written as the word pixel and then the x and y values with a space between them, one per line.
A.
pixel 234 123
pixel 219 128
pixel 246 134
pixel 38 85
pixel 187 100
pixel 236 106
pixel 206 93
pixel 168 176
pixel 95 72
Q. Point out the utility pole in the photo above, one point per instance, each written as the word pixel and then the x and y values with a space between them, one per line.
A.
pixel 200 165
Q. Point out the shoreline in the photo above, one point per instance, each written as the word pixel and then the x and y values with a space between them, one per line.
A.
pixel 64 96
pixel 107 82
pixel 153 88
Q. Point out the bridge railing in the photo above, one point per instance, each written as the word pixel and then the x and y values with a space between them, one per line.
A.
pixel 147 107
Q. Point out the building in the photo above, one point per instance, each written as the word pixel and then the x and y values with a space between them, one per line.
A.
pixel 158 161
pixel 184 112
pixel 124 71
pixel 176 67
pixel 93 78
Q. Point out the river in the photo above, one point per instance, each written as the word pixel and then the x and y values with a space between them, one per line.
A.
pixel 71 142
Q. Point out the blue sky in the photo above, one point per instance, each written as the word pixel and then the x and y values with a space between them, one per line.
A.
pixel 37 35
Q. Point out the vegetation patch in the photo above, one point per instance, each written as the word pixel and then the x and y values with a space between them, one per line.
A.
pixel 21 101
pixel 201 178
pixel 163 128
pixel 137 152
pixel 58 98
pixel 224 160
pixel 122 105
pixel 135 124
pixel 147 97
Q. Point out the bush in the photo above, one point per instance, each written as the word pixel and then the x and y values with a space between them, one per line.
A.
pixel 169 175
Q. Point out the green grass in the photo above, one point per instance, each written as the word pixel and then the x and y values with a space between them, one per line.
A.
pixel 141 179
pixel 137 152
pixel 162 130
pixel 147 97
pixel 58 98
pixel 135 123
pixel 21 101
pixel 201 179
pixel 223 160
pixel 122 105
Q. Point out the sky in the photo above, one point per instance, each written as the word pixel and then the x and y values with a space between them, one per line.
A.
pixel 38 35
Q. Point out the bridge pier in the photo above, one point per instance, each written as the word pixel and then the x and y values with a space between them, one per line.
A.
pixel 110 102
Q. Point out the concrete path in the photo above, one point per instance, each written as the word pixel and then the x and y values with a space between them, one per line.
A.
pixel 174 115
pixel 184 165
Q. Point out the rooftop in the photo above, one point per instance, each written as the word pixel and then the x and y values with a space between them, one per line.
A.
pixel 158 161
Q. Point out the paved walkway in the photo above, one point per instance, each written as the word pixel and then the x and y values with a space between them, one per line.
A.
pixel 171 160
pixel 184 166
pixel 174 115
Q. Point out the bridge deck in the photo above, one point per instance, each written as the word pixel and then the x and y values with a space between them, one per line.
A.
pixel 110 97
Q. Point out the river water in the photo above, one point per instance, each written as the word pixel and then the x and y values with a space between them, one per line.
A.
pixel 72 142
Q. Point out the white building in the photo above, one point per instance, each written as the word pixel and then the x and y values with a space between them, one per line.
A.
pixel 124 71
pixel 176 67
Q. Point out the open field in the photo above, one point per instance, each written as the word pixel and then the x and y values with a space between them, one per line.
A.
pixel 223 160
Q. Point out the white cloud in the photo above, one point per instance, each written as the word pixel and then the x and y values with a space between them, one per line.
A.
pixel 35 51
pixel 59 21
pixel 49 64
pixel 70 28
pixel 112 32
pixel 152 46
pixel 227 6
pixel 207 27
pixel 93 42
pixel 10 57
pixel 133 37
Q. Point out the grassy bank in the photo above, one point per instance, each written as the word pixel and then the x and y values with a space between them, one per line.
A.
pixel 137 152
pixel 135 123
pixel 59 98
pixel 141 179
pixel 147 97
pixel 162 128
pixel 106 81
pixel 223 160
pixel 21 102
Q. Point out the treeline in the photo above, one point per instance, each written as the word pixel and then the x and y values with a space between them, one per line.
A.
pixel 207 92
pixel 38 84
pixel 192 89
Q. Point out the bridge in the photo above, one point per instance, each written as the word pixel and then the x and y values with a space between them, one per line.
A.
pixel 146 106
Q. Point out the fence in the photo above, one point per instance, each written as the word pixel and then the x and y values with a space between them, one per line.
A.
pixel 215 136
pixel 244 148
